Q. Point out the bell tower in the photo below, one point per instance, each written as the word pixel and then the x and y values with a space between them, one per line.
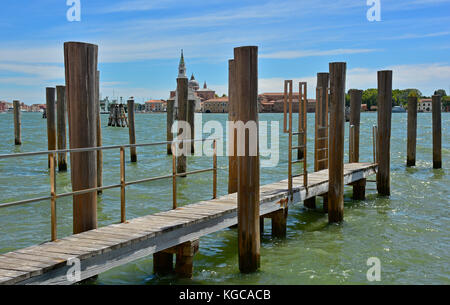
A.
pixel 182 66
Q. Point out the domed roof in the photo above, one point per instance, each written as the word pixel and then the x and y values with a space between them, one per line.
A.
pixel 193 83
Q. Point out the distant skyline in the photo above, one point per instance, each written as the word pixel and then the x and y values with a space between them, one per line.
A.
pixel 140 43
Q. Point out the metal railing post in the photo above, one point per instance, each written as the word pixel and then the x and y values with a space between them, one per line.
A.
pixel 122 185
pixel 215 170
pixel 174 176
pixel 53 196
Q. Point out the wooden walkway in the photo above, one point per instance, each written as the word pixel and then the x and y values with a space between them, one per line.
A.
pixel 114 245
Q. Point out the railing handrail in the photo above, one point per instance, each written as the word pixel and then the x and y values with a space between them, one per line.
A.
pixel 96 148
pixel 123 183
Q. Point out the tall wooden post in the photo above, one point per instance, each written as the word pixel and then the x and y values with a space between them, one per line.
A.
pixel 182 95
pixel 384 132
pixel 99 134
pixel 321 122
pixel 51 120
pixel 232 133
pixel 437 131
pixel 359 187
pixel 246 71
pixel 61 125
pixel 170 120
pixel 355 116
pixel 131 130
pixel 412 131
pixel 80 60
pixel 336 148
pixel 191 120
pixel 321 128
pixel 17 123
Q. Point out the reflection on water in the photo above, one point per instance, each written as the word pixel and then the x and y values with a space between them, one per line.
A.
pixel 408 232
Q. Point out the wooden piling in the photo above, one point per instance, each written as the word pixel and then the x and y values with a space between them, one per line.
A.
pixel 321 130
pixel 246 71
pixel 99 134
pixel 359 188
pixel 17 123
pixel 437 131
pixel 336 148
pixel 51 120
pixel 412 131
pixel 162 263
pixel 131 130
pixel 61 125
pixel 355 115
pixel 279 223
pixel 384 132
pixel 191 120
pixel 182 96
pixel 80 60
pixel 170 120
pixel 232 132
pixel 184 263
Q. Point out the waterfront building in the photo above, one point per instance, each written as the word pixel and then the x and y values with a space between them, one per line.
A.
pixel 215 105
pixel 274 102
pixel 155 106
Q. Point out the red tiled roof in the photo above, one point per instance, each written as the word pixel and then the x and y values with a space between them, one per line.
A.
pixel 154 101
pixel 220 99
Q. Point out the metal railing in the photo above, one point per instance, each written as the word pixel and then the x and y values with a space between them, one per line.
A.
pixel 302 122
pixel 123 183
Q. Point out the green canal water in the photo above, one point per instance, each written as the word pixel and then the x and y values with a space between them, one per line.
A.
pixel 408 232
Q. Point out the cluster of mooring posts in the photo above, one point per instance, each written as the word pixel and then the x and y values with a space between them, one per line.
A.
pixel 117 116
pixel 177 232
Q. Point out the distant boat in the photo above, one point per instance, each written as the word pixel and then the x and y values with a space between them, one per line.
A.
pixel 398 109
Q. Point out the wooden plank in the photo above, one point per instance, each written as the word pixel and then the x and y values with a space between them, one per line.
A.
pixel 16 275
pixel 36 258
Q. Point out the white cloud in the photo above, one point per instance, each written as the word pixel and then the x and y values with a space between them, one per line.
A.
pixel 40 71
pixel 425 77
pixel 309 53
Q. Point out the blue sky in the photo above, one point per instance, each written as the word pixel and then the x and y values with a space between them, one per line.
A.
pixel 140 42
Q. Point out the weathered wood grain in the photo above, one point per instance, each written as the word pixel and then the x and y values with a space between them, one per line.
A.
pixel 336 146
pixel 437 131
pixel 412 131
pixel 384 132
pixel 246 71
pixel 80 60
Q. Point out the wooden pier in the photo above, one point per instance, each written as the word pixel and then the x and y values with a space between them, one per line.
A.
pixel 177 232
pixel 105 248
